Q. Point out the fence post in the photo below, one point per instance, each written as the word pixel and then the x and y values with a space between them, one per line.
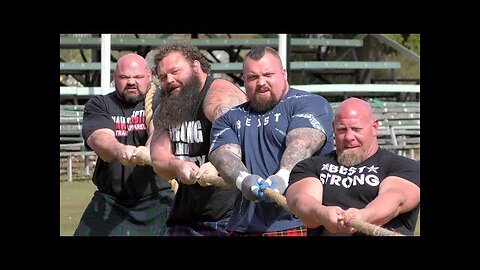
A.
pixel 69 169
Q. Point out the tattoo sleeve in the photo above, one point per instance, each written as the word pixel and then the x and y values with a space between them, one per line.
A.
pixel 301 144
pixel 227 159
pixel 220 101
pixel 221 109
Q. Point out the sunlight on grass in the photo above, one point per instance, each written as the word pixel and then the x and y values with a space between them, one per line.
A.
pixel 74 198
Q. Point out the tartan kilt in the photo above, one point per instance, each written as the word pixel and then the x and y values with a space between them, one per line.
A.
pixel 105 216
pixel 205 228
pixel 298 231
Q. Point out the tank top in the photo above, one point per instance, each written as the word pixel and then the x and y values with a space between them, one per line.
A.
pixel 195 204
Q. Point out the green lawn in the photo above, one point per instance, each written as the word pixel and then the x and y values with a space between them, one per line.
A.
pixel 75 196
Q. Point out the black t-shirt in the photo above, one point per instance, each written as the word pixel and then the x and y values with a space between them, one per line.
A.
pixel 195 204
pixel 356 186
pixel 126 184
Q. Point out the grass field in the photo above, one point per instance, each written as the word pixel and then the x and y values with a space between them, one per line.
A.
pixel 75 196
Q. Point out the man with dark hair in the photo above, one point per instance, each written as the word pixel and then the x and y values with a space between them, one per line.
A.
pixel 255 145
pixel 190 101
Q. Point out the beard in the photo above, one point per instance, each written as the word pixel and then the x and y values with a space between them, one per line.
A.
pixel 262 105
pixel 174 110
pixel 351 157
pixel 131 98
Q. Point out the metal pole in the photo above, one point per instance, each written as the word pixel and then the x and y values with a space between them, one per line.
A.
pixel 282 48
pixel 105 73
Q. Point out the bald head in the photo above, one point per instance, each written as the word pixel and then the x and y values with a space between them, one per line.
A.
pixel 132 78
pixel 355 132
pixel 354 108
pixel 131 60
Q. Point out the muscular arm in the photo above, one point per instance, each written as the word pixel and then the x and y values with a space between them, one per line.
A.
pixel 395 196
pixel 301 144
pixel 228 161
pixel 150 131
pixel 222 96
pixel 304 198
pixel 164 163
pixel 109 149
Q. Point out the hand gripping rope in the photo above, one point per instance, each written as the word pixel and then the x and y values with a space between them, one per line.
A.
pixel 362 226
pixel 148 117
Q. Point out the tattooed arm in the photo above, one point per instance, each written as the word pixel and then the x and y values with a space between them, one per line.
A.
pixel 228 159
pixel 222 96
pixel 301 144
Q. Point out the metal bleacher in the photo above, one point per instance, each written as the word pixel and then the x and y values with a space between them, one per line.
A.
pixel 71 140
pixel 399 120
pixel 232 44
pixel 87 72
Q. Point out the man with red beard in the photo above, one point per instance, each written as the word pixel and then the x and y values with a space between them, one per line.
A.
pixel 359 180
pixel 256 144
pixel 190 101
pixel 131 199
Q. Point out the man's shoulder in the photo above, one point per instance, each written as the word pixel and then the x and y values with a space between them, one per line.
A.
pixel 224 92
pixel 221 83
pixel 303 98
pixel 223 86
pixel 101 100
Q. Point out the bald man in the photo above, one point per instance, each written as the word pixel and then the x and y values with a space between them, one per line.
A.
pixel 131 199
pixel 358 180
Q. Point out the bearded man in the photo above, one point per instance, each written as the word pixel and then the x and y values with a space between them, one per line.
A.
pixel 357 181
pixel 190 100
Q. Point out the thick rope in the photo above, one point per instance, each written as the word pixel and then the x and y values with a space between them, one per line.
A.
pixel 148 116
pixel 148 161
pixel 208 180
pixel 368 228
pixel 362 226
pixel 149 104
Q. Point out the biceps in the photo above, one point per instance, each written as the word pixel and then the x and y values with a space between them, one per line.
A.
pixel 160 142
pixel 216 104
pixel 308 138
pixel 225 152
pixel 406 190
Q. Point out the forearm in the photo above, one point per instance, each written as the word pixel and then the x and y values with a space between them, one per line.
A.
pixel 308 209
pixel 227 159
pixel 301 144
pixel 384 207
pixel 164 163
pixel 166 166
pixel 105 145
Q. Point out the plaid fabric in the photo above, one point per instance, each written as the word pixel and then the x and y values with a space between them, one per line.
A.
pixel 205 229
pixel 104 216
pixel 298 231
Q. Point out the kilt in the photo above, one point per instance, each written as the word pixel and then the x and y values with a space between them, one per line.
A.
pixel 212 228
pixel 298 231
pixel 105 216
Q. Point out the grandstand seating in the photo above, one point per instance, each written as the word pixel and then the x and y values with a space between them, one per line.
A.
pixel 399 121
pixel 88 72
pixel 71 141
